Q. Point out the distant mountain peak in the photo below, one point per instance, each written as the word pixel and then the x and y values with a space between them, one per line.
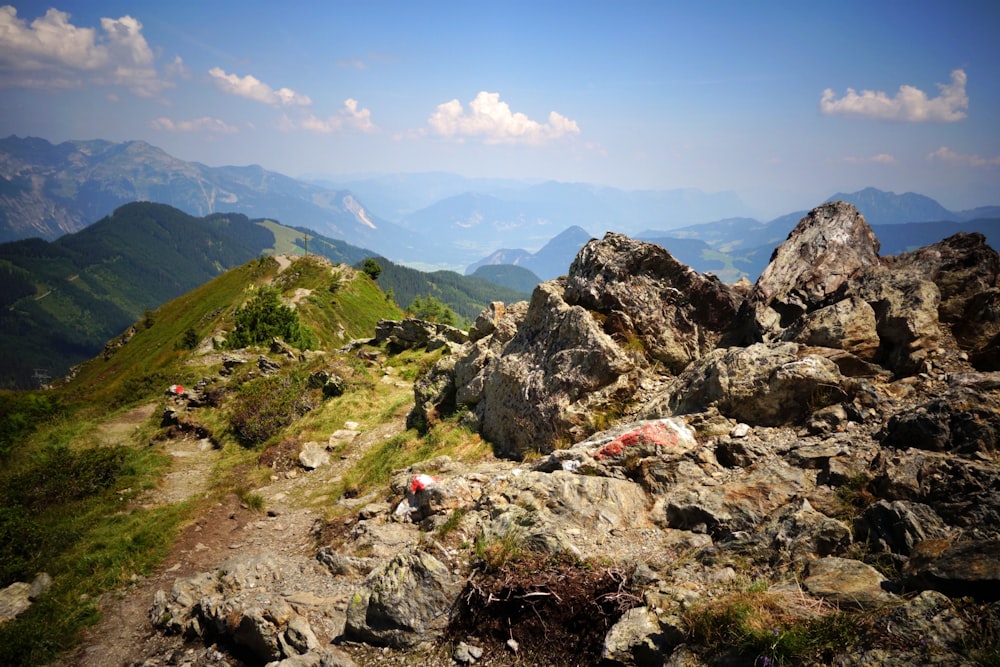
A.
pixel 888 208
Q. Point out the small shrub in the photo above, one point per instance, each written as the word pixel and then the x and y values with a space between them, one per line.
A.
pixel 263 318
pixel 266 406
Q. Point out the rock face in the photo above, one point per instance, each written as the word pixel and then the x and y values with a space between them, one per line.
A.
pixel 534 376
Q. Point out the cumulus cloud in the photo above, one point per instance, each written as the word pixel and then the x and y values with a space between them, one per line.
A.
pixel 492 120
pixel 51 52
pixel 945 154
pixel 253 88
pixel 350 117
pixel 910 104
pixel 880 158
pixel 203 124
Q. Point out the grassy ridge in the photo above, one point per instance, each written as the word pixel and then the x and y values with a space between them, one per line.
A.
pixel 71 495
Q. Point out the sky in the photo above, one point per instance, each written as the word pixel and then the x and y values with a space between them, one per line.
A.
pixel 784 103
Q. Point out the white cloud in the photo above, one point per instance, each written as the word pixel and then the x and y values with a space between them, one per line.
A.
pixel 350 117
pixel 880 158
pixel 909 105
pixel 51 52
pixel 203 124
pixel 945 154
pixel 492 120
pixel 253 88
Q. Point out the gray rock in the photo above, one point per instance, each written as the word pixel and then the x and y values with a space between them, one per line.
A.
pixel 404 603
pixel 956 569
pixel 14 600
pixel 674 313
pixel 706 506
pixel 814 266
pixel 634 639
pixel 897 526
pixel 313 455
pixel 764 384
pixel 962 420
pixel 846 582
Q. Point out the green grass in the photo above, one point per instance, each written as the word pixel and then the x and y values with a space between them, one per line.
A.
pixel 69 509
pixel 773 627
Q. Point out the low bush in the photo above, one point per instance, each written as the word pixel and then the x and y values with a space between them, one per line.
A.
pixel 267 405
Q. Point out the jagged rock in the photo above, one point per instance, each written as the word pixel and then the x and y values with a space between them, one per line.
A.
pixel 559 366
pixel 560 512
pixel 967 568
pixel 739 505
pixel 805 534
pixel 897 526
pixel 283 349
pixel 967 272
pixel 404 603
pixel 648 452
pixel 634 640
pixel 764 384
pixel 979 330
pixel 466 654
pixel 848 324
pixel 962 421
pixel 343 565
pixel 645 294
pixel 412 333
pixel 313 455
pixel 267 366
pixel 809 271
pixel 486 321
pixel 906 308
pixel 962 492
pixel 243 603
pixel 434 395
pixel 846 582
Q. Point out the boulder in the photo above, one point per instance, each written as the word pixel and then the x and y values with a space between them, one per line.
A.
pixel 811 270
pixel 650 300
pixel 702 504
pixel 313 455
pixel 635 639
pixel 897 526
pixel 559 366
pixel 763 384
pixel 403 603
pixel 434 395
pixel 846 582
pixel 957 569
pixel 412 333
pixel 961 491
pixel 962 421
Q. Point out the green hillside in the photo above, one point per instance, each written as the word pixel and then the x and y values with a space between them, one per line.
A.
pixel 466 295
pixel 80 461
pixel 61 301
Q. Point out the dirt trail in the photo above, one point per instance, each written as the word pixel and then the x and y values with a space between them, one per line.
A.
pixel 292 505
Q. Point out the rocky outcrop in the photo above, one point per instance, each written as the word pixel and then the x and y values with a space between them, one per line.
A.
pixel 412 333
pixel 403 603
pixel 811 270
pixel 534 378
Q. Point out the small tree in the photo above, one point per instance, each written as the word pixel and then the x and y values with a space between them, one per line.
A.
pixel 264 317
pixel 372 268
pixel 433 310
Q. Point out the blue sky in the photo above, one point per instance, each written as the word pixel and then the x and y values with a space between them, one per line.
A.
pixel 784 103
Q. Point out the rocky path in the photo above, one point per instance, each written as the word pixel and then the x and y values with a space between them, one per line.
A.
pixel 222 528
